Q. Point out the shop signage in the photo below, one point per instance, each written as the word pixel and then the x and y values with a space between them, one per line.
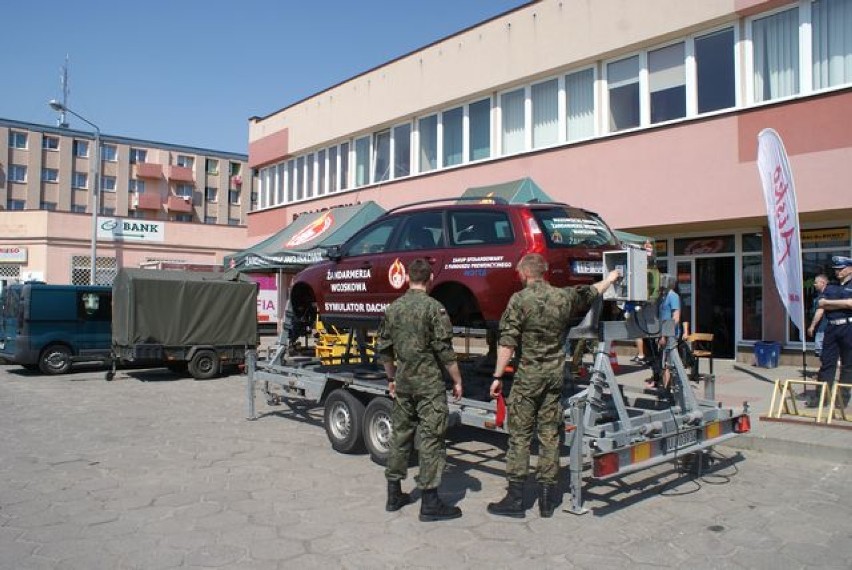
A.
pixel 13 254
pixel 117 229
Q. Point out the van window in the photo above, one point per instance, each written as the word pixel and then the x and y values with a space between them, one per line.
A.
pixel 422 231
pixel 473 227
pixel 372 240
pixel 93 306
pixel 567 227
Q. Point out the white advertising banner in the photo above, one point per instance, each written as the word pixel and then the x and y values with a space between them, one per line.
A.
pixel 117 229
pixel 783 213
pixel 13 254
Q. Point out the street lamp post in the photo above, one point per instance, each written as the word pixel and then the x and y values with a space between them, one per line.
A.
pixel 96 189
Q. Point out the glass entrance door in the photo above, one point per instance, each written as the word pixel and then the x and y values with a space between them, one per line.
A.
pixel 706 287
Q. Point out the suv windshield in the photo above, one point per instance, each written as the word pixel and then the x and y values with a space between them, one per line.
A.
pixel 570 227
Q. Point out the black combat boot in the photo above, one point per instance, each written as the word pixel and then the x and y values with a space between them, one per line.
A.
pixel 512 505
pixel 548 499
pixel 432 508
pixel 396 498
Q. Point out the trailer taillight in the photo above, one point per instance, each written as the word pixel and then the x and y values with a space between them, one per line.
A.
pixel 605 465
pixel 742 424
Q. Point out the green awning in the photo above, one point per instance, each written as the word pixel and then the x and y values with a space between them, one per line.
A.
pixel 514 192
pixel 635 239
pixel 304 241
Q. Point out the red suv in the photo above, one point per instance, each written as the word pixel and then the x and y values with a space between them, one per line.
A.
pixel 473 249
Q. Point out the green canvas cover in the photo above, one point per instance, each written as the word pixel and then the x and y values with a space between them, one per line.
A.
pixel 182 308
pixel 634 239
pixel 303 242
pixel 514 192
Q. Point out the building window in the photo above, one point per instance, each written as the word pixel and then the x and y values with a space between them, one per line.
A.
pixel 332 169
pixel 136 186
pixel 322 169
pixel 234 197
pixel 17 173
pixel 185 161
pixel 428 133
pixel 210 220
pixel 183 217
pixel 292 181
pixel 344 166
pixel 233 222
pixel 300 174
pixel 623 89
pixel 50 143
pixel 254 199
pixel 184 190
pixel 49 175
pixel 49 206
pixel 362 161
pixel 235 168
pixel 401 150
pixel 544 97
pixel 752 287
pixel 211 166
pixel 106 269
pixel 714 62
pixel 381 155
pixel 580 104
pixel 667 83
pixel 211 194
pixel 832 42
pixel 108 183
pixel 479 121
pixel 139 214
pixel 513 121
pixel 452 136
pixel 138 155
pixel 81 148
pixel 17 139
pixel 78 208
pixel 109 152
pixel 309 176
pixel 775 44
pixel 15 205
pixel 108 211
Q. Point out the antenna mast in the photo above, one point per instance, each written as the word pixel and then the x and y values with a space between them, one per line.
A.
pixel 63 81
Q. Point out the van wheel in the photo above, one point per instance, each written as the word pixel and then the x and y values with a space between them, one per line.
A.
pixel 204 365
pixel 378 429
pixel 55 359
pixel 343 418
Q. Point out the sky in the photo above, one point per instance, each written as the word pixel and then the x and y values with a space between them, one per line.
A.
pixel 191 72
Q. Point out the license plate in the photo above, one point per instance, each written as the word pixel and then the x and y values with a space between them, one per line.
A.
pixel 681 440
pixel 582 267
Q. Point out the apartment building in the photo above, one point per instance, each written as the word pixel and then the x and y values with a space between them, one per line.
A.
pixel 646 112
pixel 158 202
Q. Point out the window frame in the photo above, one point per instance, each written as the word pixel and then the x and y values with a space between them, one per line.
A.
pixel 17 173
pixel 46 146
pixel 48 179
pixel 19 140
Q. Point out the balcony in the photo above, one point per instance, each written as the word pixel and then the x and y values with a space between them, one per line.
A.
pixel 180 174
pixel 179 204
pixel 147 201
pixel 148 170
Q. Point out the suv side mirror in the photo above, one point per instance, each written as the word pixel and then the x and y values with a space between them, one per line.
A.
pixel 333 252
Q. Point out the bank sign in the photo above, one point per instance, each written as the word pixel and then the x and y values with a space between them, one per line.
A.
pixel 117 229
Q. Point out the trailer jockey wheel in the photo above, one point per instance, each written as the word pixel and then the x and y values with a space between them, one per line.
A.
pixel 204 365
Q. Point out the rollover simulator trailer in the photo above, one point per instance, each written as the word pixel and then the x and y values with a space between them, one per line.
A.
pixel 184 320
pixel 605 428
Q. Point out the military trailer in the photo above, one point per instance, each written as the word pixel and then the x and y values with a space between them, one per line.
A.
pixel 183 320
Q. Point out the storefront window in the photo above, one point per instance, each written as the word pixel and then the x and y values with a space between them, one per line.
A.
pixel 752 295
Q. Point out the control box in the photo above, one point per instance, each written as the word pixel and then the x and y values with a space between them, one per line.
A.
pixel 633 265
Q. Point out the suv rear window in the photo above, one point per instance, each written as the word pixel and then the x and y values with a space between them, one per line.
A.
pixel 473 227
pixel 569 227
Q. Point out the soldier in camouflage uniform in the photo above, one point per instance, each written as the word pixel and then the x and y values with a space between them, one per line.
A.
pixel 415 341
pixel 535 320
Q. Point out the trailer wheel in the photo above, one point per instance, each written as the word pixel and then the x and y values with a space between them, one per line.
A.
pixel 378 429
pixel 343 417
pixel 55 359
pixel 204 365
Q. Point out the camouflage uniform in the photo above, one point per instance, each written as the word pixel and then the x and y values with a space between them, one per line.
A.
pixel 535 320
pixel 417 334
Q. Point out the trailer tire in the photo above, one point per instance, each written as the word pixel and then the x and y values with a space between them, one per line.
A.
pixel 55 359
pixel 378 429
pixel 343 418
pixel 204 365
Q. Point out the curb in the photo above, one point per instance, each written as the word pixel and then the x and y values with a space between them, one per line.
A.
pixel 799 449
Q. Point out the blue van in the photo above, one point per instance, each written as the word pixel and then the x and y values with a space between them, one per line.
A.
pixel 47 327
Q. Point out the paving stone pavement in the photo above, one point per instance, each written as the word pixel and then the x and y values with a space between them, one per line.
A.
pixel 156 471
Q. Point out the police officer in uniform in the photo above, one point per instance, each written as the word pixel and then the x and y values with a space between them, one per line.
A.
pixel 836 303
pixel 535 320
pixel 415 342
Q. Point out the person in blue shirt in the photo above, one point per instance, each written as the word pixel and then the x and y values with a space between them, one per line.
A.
pixel 669 310
pixel 837 344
